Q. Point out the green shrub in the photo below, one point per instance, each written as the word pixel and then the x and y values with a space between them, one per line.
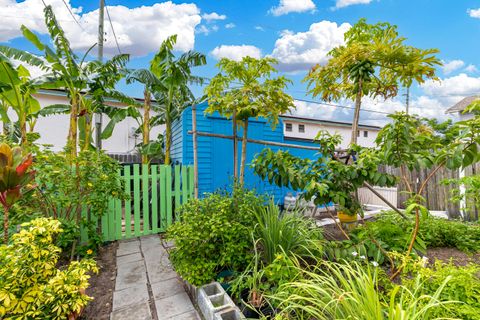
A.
pixel 283 232
pixel 66 187
pixel 31 286
pixel 394 232
pixel 463 285
pixel 214 233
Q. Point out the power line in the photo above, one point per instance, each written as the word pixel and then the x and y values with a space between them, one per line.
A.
pixel 113 30
pixel 324 103
pixel 73 16
pixel 341 106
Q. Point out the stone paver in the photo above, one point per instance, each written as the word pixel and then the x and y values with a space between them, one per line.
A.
pixel 130 296
pixel 137 256
pixel 129 247
pixel 166 288
pixel 139 311
pixel 130 274
pixel 173 305
pixel 145 275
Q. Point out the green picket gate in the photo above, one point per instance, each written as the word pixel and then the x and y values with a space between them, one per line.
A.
pixel 155 192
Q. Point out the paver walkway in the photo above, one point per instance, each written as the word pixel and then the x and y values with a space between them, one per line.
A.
pixel 146 287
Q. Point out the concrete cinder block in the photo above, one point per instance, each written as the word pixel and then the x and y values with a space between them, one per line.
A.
pixel 211 299
pixel 229 314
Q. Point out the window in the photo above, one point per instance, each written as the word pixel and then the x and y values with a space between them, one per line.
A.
pixel 365 134
pixel 301 128
pixel 288 127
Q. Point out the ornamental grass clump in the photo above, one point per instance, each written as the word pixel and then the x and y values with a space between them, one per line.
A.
pixel 353 291
pixel 31 286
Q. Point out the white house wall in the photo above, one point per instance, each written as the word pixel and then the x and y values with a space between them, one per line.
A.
pixel 312 129
pixel 53 129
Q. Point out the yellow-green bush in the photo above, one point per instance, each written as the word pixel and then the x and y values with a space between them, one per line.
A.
pixel 31 286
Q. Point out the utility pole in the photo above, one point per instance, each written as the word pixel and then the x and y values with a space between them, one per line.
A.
pixel 98 116
pixel 407 99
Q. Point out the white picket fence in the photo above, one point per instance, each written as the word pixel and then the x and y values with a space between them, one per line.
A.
pixel 367 197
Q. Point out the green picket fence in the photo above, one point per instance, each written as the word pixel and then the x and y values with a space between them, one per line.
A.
pixel 155 191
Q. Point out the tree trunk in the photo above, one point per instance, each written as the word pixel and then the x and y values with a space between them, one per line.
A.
pixel 72 133
pixel 195 151
pixel 168 126
pixel 168 137
pixel 235 146
pixel 146 124
pixel 244 152
pixel 5 225
pixel 23 130
pixel 356 115
pixel 88 128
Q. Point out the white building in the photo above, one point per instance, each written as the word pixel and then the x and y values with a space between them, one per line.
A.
pixel 295 127
pixel 459 108
pixel 53 129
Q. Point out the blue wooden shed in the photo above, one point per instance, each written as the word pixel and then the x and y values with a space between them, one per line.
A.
pixel 215 155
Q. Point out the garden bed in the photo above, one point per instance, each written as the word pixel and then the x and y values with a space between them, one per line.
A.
pixel 102 284
pixel 459 258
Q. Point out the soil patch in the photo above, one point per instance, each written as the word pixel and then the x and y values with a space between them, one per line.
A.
pixel 102 285
pixel 458 257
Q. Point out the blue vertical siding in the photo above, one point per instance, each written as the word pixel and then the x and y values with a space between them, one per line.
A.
pixel 215 155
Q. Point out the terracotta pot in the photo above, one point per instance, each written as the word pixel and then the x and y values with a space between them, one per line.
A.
pixel 346 218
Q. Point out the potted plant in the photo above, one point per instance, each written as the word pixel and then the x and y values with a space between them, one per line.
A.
pixel 348 213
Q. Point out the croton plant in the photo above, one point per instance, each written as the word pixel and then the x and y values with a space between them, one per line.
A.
pixel 16 176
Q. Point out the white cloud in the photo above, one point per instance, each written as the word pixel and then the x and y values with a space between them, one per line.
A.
pixel 203 29
pixel 139 30
pixel 315 110
pixel 460 85
pixel 259 28
pixel 287 6
pixel 471 68
pixel 302 50
pixel 213 16
pixel 345 3
pixel 449 67
pixel 230 25
pixel 474 13
pixel 236 52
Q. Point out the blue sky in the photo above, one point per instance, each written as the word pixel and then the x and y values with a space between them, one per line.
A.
pixel 297 32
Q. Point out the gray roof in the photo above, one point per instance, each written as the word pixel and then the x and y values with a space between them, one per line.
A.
pixel 462 104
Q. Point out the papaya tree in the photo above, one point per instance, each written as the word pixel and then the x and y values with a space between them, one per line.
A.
pixel 373 62
pixel 248 89
pixel 412 143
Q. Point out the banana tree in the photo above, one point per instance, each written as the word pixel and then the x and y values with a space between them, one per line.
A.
pixel 15 176
pixel 17 88
pixel 78 77
pixel 175 75
pixel 151 83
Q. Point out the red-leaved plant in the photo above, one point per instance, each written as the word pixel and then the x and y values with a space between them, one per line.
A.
pixel 15 178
